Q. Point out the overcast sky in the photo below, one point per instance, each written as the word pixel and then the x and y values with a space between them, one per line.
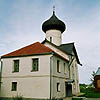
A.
pixel 21 25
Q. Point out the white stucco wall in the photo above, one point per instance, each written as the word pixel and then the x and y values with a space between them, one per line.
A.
pixel 61 93
pixel 59 77
pixel 26 66
pixel 63 77
pixel 56 36
pixel 30 87
pixel 74 75
pixel 61 64
pixel 37 84
pixel 30 84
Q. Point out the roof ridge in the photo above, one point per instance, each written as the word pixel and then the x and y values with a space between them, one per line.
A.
pixel 46 46
pixel 68 43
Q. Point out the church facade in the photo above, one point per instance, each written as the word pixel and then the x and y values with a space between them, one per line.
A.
pixel 42 70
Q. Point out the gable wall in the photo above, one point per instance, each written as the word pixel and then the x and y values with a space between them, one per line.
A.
pixel 59 77
pixel 74 75
pixel 29 84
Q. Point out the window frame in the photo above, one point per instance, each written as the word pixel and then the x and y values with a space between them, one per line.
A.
pixel 50 39
pixel 14 86
pixel 58 66
pixel 15 63
pixel 65 68
pixel 58 87
pixel 35 69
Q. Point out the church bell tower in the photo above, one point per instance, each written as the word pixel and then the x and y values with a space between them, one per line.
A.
pixel 54 28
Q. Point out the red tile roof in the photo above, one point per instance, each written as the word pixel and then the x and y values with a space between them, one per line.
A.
pixel 35 48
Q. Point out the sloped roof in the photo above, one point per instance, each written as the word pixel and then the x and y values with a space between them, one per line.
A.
pixel 98 72
pixel 66 48
pixel 69 48
pixel 35 48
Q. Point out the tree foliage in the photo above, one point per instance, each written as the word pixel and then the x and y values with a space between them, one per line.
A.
pixel 92 78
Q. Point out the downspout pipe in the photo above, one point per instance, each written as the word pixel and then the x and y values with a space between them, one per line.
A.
pixel 72 59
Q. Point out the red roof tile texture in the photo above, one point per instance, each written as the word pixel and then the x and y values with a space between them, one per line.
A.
pixel 35 48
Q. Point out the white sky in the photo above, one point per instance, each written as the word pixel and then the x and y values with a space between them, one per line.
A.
pixel 21 24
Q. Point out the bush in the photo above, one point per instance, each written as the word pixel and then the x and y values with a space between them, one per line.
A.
pixel 89 92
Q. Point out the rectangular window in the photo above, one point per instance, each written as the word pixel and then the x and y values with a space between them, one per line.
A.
pixel 58 66
pixel 14 86
pixel 65 70
pixel 16 66
pixel 98 83
pixel 35 64
pixel 58 87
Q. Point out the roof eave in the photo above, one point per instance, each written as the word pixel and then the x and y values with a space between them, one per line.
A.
pixel 63 51
pixel 47 53
pixel 78 61
pixel 54 45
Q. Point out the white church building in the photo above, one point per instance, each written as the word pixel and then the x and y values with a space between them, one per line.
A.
pixel 42 70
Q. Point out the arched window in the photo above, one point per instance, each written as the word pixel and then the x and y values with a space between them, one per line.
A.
pixel 51 39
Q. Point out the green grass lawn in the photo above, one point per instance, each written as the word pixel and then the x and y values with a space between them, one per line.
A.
pixel 89 92
pixel 92 94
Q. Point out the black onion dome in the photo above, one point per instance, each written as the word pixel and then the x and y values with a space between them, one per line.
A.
pixel 53 23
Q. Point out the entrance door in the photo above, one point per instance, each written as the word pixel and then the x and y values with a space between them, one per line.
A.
pixel 68 88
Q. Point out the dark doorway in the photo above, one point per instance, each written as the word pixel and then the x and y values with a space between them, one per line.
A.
pixel 68 89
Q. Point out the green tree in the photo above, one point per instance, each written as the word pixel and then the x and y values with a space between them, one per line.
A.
pixel 92 78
